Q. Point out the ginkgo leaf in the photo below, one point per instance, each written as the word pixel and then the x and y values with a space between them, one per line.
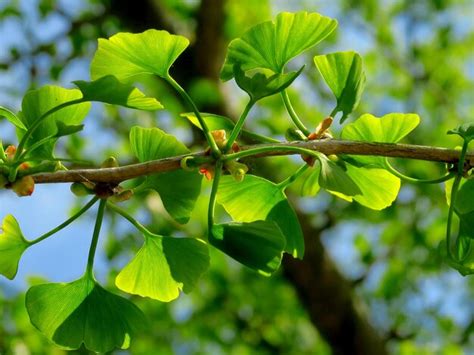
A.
pixel 10 116
pixel 378 187
pixel 259 85
pixel 334 179
pixel 82 312
pixel 126 55
pixel 256 198
pixel 178 189
pixel 12 246
pixel 111 91
pixel 271 45
pixel 37 102
pixel 163 267
pixel 344 75
pixel 390 128
pixel 258 245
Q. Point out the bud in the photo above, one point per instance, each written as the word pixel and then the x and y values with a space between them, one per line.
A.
pixel 208 171
pixel 333 157
pixel 236 169
pixel 10 152
pixel 309 159
pixel 24 186
pixel 321 129
pixel 220 137
pixel 79 189
pixel 122 196
pixel 110 162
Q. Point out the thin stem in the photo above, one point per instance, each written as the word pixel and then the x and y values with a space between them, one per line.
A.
pixel 63 225
pixel 292 178
pixel 293 114
pixel 205 129
pixel 238 126
pixel 454 191
pixel 212 198
pixel 129 218
pixel 95 238
pixel 258 137
pixel 398 174
pixel 333 112
pixel 37 123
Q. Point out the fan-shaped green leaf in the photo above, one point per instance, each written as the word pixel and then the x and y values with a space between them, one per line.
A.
pixel 271 45
pixel 163 267
pixel 178 189
pixel 310 186
pixel 254 199
pixel 344 75
pixel 258 245
pixel 82 312
pixel 378 187
pixel 390 128
pixel 37 102
pixel 334 179
pixel 12 246
pixel 10 116
pixel 126 55
pixel 259 85
pixel 111 91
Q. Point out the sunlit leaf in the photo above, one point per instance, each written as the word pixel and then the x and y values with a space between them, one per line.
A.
pixel 271 45
pixel 111 91
pixel 82 312
pixel 12 246
pixel 344 75
pixel 38 102
pixel 259 85
pixel 333 178
pixel 126 55
pixel 378 187
pixel 254 199
pixel 163 267
pixel 310 186
pixel 258 245
pixel 390 128
pixel 178 189
pixel 214 122
pixel 10 116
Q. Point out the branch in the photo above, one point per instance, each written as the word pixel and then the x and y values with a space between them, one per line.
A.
pixel 332 146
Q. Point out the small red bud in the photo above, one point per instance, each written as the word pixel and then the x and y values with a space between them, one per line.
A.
pixel 207 171
pixel 308 159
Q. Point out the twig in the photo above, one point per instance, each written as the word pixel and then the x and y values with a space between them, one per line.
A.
pixel 332 146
